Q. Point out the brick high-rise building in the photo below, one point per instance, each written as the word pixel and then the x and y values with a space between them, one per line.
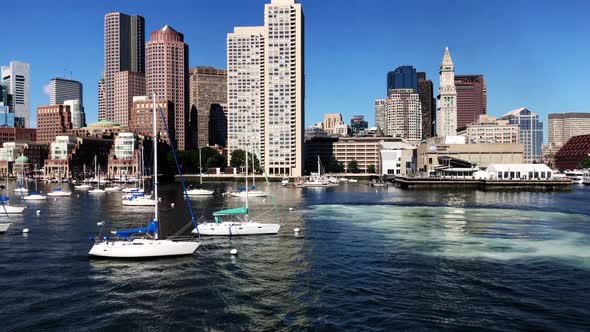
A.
pixel 124 50
pixel 141 119
pixel 471 98
pixel 128 84
pixel 52 121
pixel 428 104
pixel 208 86
pixel 167 76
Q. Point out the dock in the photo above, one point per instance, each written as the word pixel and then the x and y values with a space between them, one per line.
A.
pixel 426 182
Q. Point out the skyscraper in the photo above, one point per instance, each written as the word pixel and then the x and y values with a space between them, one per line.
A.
pixel 403 77
pixel 101 98
pixel 77 115
pixel 471 98
pixel 218 125
pixel 16 77
pixel 428 104
pixel 61 89
pixel 403 114
pixel 380 114
pixel 266 67
pixel 531 132
pixel 167 75
pixel 446 119
pixel 208 87
pixel 563 126
pixel 128 84
pixel 52 121
pixel 124 50
pixel 358 123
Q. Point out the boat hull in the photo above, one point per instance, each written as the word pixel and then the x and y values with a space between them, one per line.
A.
pixel 4 227
pixel 59 194
pixel 35 197
pixel 143 248
pixel 237 229
pixel 12 209
pixel 139 202
pixel 250 194
pixel 199 192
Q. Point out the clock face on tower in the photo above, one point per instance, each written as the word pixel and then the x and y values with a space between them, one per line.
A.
pixel 447 78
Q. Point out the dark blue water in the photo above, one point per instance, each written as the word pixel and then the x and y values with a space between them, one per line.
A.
pixel 365 259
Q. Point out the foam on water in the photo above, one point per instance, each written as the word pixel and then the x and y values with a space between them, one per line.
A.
pixel 463 233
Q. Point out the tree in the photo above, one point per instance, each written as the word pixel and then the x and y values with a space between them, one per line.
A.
pixel 334 166
pixel 584 163
pixel 353 166
pixel 237 159
pixel 371 169
pixel 217 160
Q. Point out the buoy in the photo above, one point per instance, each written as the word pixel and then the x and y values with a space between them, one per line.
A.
pixel 25 230
pixel 290 209
pixel 77 195
pixel 55 199
pixel 38 212
pixel 159 199
pixel 234 251
pixel 264 200
pixel 296 230
pixel 171 204
pixel 100 223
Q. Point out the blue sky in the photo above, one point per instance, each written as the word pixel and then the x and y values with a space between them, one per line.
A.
pixel 533 54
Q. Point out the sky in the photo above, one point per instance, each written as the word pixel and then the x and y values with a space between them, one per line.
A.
pixel 533 54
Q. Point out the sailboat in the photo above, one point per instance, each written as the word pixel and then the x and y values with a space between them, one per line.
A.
pixel 96 190
pixel 7 208
pixel 58 192
pixel 236 221
pixel 252 192
pixel 138 187
pixel 318 179
pixel 4 225
pixel 20 185
pixel 149 245
pixel 138 197
pixel 84 185
pixel 201 190
pixel 35 196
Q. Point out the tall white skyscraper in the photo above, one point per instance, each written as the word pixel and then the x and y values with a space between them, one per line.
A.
pixel 281 85
pixel 446 117
pixel 16 77
pixel 403 114
pixel 78 117
pixel 61 89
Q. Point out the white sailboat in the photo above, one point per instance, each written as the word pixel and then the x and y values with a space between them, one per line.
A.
pixel 6 207
pixel 137 197
pixel 318 179
pixel 138 187
pixel 84 185
pixel 35 196
pixel 96 190
pixel 199 191
pixel 20 187
pixel 147 246
pixel 252 192
pixel 58 191
pixel 4 225
pixel 236 221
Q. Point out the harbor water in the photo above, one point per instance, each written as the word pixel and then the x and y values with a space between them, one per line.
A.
pixel 365 259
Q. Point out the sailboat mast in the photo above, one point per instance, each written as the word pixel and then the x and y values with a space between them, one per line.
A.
pixel 155 166
pixel 247 145
pixel 200 169
pixel 253 169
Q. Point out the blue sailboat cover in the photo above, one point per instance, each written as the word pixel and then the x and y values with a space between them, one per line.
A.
pixel 4 199
pixel 151 228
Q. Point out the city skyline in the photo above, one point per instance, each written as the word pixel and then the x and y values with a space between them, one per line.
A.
pixel 510 58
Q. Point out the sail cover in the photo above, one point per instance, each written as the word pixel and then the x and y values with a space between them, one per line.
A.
pixel 151 228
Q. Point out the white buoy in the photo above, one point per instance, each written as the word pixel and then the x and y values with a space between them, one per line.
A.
pixel 172 205
pixel 55 199
pixel 234 251
pixel 100 223
pixel 290 209
pixel 296 230
pixel 264 200
pixel 38 212
pixel 159 199
pixel 25 230
pixel 77 195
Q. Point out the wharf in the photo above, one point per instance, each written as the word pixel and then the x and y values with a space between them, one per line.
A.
pixel 413 182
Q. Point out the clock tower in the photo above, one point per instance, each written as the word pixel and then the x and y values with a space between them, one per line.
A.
pixel 446 113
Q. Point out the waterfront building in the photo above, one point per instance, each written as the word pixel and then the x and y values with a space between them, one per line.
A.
pixel 101 129
pixel 6 116
pixel 218 125
pixel 380 114
pixel 124 158
pixel 10 134
pixel 35 154
pixel 428 105
pixel 141 117
pixel 519 172
pixel 245 88
pixel 403 77
pixel 331 122
pixel 208 90
pixel 403 114
pixel 319 146
pixel 69 154
pixel 167 76
pixel 124 50
pixel 455 147
pixel 573 152
pixel 128 84
pixel 531 132
pixel 446 118
pixel 365 150
pixel 52 121
pixel 490 130
pixel 471 98
pixel 563 126
pixel 358 124
pixel 77 112
pixel 397 158
pixel 61 89
pixel 16 77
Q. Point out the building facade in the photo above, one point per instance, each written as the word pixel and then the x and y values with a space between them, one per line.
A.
pixel 68 155
pixel 8 134
pixel 563 126
pixel 218 125
pixel 491 130
pixel 141 119
pixel 379 105
pixel 167 76
pixel 397 159
pixel 78 116
pixel 61 89
pixel 428 104
pixel 52 121
pixel 6 116
pixel 358 124
pixel 128 84
pixel 365 150
pixel 16 77
pixel 403 114
pixel 573 152
pixel 471 98
pixel 403 77
pixel 124 50
pixel 446 118
pixel 531 132
pixel 208 89
pixel 331 123
pixel 318 146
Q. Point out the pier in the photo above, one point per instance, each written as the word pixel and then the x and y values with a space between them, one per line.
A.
pixel 425 182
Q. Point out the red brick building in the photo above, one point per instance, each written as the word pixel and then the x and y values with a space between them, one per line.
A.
pixel 52 120
pixel 471 98
pixel 127 85
pixel 573 153
pixel 17 134
pixel 141 118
